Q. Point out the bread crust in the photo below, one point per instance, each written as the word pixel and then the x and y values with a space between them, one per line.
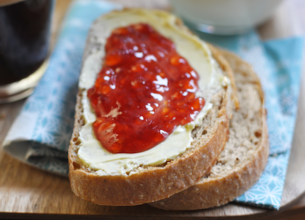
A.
pixel 221 190
pixel 149 185
pixel 225 66
pixel 152 183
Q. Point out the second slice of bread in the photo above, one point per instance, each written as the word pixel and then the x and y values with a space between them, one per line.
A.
pixel 245 155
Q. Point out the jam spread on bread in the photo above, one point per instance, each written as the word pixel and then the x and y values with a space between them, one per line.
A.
pixel 143 92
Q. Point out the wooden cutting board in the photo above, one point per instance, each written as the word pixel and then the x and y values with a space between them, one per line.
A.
pixel 27 192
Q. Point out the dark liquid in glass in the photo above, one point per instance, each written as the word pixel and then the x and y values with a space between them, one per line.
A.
pixel 24 37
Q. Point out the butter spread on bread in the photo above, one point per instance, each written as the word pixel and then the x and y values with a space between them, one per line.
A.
pixel 211 79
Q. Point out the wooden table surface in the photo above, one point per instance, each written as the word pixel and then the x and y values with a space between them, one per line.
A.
pixel 29 193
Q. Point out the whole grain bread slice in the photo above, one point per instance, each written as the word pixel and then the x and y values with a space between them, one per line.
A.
pixel 151 183
pixel 245 155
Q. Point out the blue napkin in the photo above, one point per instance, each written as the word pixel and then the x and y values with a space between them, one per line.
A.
pixel 41 133
pixel 278 65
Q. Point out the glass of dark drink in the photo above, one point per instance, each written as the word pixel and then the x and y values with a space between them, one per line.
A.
pixel 24 44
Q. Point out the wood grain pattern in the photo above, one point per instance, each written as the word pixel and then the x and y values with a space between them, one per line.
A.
pixel 25 190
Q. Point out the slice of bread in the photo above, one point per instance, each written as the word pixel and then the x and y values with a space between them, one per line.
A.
pixel 150 183
pixel 245 155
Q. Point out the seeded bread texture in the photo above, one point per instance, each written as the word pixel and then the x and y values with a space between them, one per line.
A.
pixel 151 183
pixel 245 155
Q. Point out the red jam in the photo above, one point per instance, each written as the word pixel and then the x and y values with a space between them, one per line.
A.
pixel 143 92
